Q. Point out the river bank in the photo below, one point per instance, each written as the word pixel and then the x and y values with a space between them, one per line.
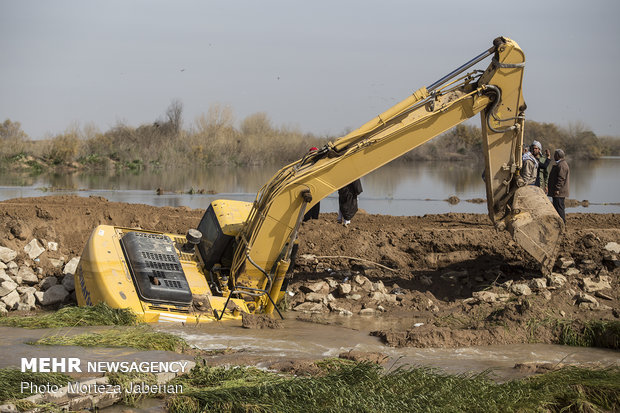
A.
pixel 456 279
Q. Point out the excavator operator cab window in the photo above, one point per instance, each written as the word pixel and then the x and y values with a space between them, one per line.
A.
pixel 214 243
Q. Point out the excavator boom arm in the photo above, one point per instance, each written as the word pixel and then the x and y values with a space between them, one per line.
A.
pixel 263 251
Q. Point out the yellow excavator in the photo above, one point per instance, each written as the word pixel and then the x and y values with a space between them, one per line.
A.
pixel 237 260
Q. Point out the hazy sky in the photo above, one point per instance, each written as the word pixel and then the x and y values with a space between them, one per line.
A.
pixel 321 66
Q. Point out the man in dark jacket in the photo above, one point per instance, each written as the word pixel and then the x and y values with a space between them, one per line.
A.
pixel 347 201
pixel 558 182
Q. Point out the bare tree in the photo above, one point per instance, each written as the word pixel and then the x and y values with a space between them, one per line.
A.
pixel 174 113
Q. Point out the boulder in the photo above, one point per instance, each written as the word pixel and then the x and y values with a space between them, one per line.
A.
pixel 378 286
pixel 7 254
pixel 12 267
pixel 11 300
pixel 310 307
pixel 556 280
pixel 29 300
pixel 367 311
pixel 56 263
pixel 4 276
pixel 565 263
pixel 55 295
pixel 27 275
pixel 379 296
pixel 592 285
pixel 363 281
pixel 485 296
pixel 344 288
pixel 33 249
pixel 52 246
pixel 316 297
pixel 71 266
pixel 520 289
pixel 571 272
pixel 6 287
pixel 613 247
pixel 68 282
pixel 538 284
pixel 47 283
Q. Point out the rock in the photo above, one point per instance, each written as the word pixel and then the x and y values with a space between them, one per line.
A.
pixel 367 311
pixel 68 282
pixel 354 297
pixel 27 275
pixel 71 266
pixel 332 283
pixel 316 297
pixel 56 263
pixel 23 289
pixel 363 282
pixel 309 307
pixel 426 280
pixel 603 296
pixel 565 263
pixel 56 294
pixel 571 272
pixel 52 246
pixel 12 267
pixel 344 288
pixel 520 289
pixel 3 266
pixel 585 298
pixel 506 284
pixel 378 286
pixel 33 249
pixel 613 247
pixel 28 299
pixel 556 280
pixel 546 294
pixel 4 276
pixel 339 310
pixel 11 300
pixel 379 296
pixel 7 254
pixel 3 311
pixel 538 284
pixel 590 286
pixel 6 287
pixel 47 283
pixel 485 296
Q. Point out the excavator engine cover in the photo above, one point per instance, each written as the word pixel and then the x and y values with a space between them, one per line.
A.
pixel 155 267
pixel 536 226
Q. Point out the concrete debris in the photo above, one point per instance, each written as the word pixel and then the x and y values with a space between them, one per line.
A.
pixel 33 249
pixel 7 254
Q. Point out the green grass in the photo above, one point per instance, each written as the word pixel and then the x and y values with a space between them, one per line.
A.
pixel 140 337
pixel 98 315
pixel 11 379
pixel 594 333
pixel 350 387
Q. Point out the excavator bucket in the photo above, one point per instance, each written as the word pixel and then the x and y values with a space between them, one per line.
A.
pixel 536 226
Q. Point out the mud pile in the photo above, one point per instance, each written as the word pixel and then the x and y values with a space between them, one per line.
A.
pixel 452 277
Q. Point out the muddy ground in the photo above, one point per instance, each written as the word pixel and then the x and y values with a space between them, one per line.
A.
pixel 436 269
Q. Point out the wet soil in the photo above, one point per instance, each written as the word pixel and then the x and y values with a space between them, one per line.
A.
pixel 434 264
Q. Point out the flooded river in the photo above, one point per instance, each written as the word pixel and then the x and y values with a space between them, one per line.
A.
pixel 306 340
pixel 414 188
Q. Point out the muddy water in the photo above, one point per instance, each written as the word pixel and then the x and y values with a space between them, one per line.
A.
pixel 306 340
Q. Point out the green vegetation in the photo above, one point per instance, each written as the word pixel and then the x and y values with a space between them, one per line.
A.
pixel 215 138
pixel 140 337
pixel 594 333
pixel 98 315
pixel 11 380
pixel 350 387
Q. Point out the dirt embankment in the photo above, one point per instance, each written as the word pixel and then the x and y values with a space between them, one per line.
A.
pixel 458 280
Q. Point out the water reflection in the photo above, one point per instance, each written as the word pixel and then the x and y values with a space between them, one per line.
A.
pixel 395 189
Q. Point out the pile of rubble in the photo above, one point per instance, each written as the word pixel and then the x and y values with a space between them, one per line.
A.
pixel 586 286
pixel 24 284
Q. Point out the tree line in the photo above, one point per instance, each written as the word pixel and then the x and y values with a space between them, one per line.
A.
pixel 215 138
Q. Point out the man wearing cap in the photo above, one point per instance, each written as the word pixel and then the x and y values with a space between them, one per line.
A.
pixel 558 182
pixel 542 174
